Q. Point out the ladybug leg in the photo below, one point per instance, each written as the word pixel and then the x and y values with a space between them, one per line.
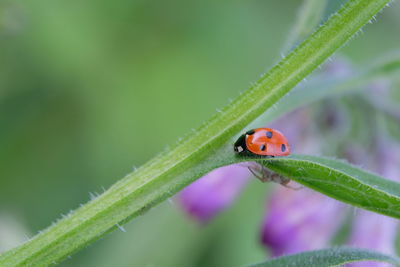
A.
pixel 284 181
pixel 277 178
pixel 265 175
pixel 285 184
pixel 260 175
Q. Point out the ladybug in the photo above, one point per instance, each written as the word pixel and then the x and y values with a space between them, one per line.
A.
pixel 262 142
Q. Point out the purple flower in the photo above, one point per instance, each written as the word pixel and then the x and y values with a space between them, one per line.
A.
pixel 371 230
pixel 214 192
pixel 300 220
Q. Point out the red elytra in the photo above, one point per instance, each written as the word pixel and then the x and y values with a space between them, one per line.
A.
pixel 264 142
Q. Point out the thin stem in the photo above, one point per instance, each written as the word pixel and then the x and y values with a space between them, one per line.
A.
pixel 162 177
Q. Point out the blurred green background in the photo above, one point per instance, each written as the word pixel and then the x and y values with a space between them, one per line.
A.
pixel 90 89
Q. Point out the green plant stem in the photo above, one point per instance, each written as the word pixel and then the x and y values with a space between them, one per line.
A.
pixel 161 177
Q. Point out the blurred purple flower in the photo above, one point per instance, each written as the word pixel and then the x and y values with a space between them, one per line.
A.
pixel 371 230
pixel 300 220
pixel 214 192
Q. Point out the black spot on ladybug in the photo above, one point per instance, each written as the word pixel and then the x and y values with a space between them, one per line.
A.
pixel 283 148
pixel 250 132
pixel 268 134
pixel 263 147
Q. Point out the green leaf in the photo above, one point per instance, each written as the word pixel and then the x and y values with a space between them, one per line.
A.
pixel 341 181
pixel 163 176
pixel 329 257
pixel 335 178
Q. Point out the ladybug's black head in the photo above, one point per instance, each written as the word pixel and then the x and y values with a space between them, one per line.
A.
pixel 240 145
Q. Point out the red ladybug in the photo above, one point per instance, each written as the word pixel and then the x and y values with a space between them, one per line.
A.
pixel 263 142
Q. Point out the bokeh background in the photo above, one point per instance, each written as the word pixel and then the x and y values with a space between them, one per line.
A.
pixel 91 89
